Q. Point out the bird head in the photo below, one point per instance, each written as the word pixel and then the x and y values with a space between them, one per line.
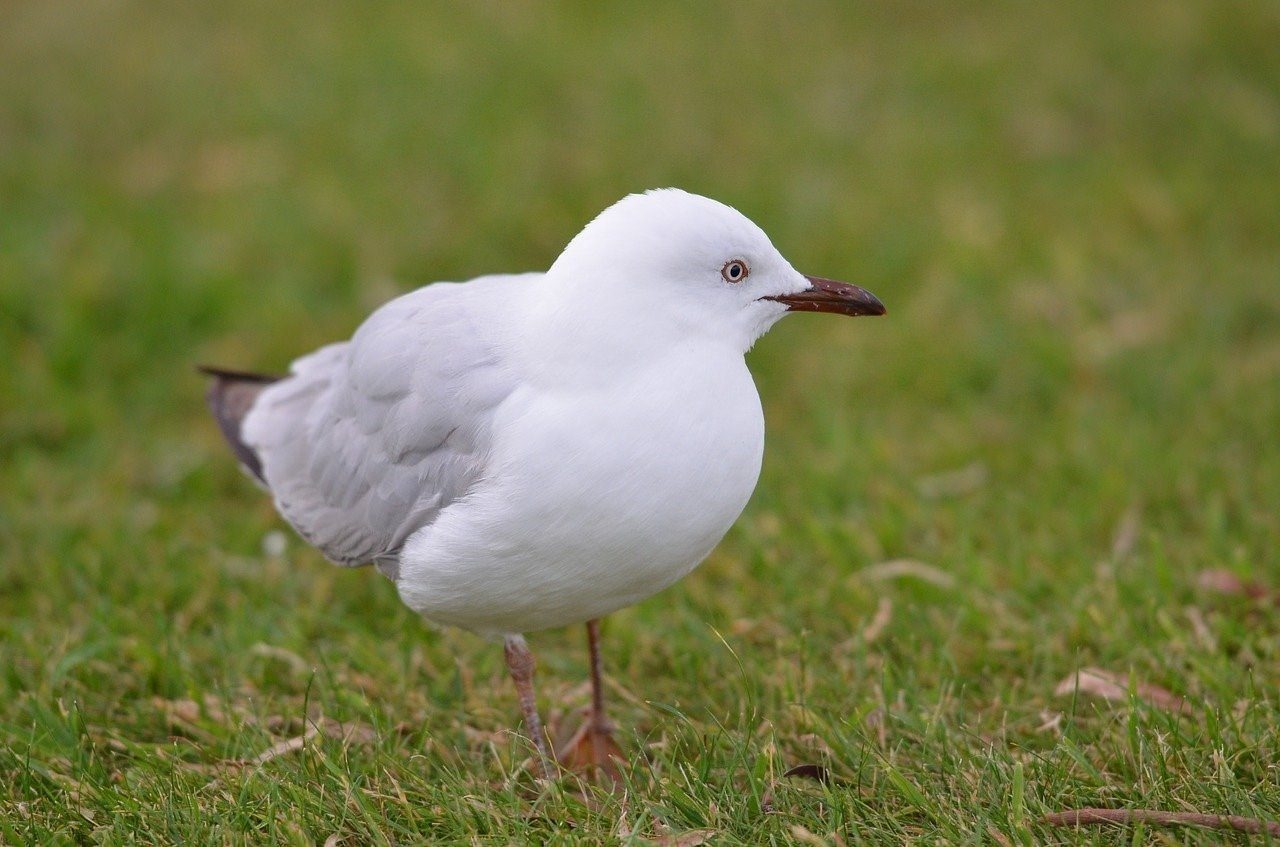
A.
pixel 671 260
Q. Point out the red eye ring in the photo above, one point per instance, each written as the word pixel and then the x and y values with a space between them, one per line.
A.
pixel 735 271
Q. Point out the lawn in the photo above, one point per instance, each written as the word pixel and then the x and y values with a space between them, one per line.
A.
pixel 1057 453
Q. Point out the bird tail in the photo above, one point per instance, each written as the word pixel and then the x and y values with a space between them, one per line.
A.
pixel 231 395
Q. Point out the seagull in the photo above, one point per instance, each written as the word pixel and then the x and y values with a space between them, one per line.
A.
pixel 526 451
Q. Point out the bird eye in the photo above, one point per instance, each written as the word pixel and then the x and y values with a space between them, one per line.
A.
pixel 734 270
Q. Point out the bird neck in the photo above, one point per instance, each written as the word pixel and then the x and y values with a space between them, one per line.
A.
pixel 589 333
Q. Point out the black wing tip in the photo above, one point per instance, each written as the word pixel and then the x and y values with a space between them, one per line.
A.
pixel 230 397
pixel 237 376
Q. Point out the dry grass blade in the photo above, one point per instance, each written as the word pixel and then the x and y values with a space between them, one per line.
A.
pixel 1126 536
pixel 953 483
pixel 1121 817
pixel 998 837
pixel 898 568
pixel 1111 686
pixel 816 743
pixel 1200 626
pixel 296 663
pixel 690 838
pixel 289 745
pixel 884 614
pixel 190 711
pixel 349 732
pixel 1050 722
pixel 804 835
pixel 623 830
pixel 817 773
pixel 1223 581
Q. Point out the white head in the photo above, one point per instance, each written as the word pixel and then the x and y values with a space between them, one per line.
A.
pixel 673 263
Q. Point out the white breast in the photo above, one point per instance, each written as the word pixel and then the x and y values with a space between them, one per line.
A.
pixel 597 498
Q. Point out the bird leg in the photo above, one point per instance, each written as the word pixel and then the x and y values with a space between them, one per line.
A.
pixel 592 746
pixel 520 663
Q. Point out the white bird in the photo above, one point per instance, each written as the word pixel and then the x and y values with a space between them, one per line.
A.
pixel 527 451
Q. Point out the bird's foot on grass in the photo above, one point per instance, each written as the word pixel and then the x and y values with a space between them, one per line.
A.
pixel 591 751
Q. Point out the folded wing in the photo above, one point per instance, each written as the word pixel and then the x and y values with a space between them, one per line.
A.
pixel 367 440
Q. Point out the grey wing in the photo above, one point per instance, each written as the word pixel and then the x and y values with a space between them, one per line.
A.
pixel 369 439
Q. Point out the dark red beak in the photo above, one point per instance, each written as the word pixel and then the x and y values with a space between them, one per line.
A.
pixel 827 295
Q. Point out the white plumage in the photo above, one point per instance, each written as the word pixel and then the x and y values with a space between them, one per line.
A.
pixel 527 451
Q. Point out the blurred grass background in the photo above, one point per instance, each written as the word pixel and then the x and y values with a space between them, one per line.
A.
pixel 1070 413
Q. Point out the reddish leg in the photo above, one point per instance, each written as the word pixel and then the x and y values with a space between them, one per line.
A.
pixel 520 663
pixel 592 746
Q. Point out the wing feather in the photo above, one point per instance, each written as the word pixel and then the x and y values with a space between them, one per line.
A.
pixel 367 440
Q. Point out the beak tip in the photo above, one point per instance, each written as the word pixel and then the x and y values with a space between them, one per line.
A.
pixel 829 295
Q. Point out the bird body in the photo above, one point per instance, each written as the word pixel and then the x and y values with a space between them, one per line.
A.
pixel 527 451
pixel 563 500
pixel 598 496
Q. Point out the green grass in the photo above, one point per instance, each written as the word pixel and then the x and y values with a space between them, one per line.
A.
pixel 1072 409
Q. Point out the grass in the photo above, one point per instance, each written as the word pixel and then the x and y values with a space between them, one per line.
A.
pixel 1070 414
